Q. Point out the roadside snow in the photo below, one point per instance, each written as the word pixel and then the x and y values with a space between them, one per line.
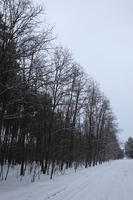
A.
pixel 110 181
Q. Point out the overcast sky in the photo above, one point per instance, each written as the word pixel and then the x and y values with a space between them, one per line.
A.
pixel 100 35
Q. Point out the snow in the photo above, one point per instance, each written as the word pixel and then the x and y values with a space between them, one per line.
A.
pixel 110 181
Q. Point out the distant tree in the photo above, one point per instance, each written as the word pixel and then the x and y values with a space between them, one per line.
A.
pixel 129 148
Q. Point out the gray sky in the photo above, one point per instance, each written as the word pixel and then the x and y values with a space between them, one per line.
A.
pixel 100 35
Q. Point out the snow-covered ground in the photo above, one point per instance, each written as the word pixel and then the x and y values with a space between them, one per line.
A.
pixel 110 181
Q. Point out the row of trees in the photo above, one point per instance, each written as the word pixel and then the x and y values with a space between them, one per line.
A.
pixel 51 112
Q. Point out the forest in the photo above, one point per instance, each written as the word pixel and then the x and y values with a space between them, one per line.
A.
pixel 52 113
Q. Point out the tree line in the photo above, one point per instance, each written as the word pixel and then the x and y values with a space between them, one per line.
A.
pixel 51 112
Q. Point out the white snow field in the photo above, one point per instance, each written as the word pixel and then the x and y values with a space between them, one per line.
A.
pixel 110 181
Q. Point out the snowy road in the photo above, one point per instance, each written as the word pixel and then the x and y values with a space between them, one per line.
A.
pixel 110 181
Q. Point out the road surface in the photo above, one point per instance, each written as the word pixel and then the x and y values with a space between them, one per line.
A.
pixel 110 181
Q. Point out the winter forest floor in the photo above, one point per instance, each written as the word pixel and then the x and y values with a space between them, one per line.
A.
pixel 110 181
